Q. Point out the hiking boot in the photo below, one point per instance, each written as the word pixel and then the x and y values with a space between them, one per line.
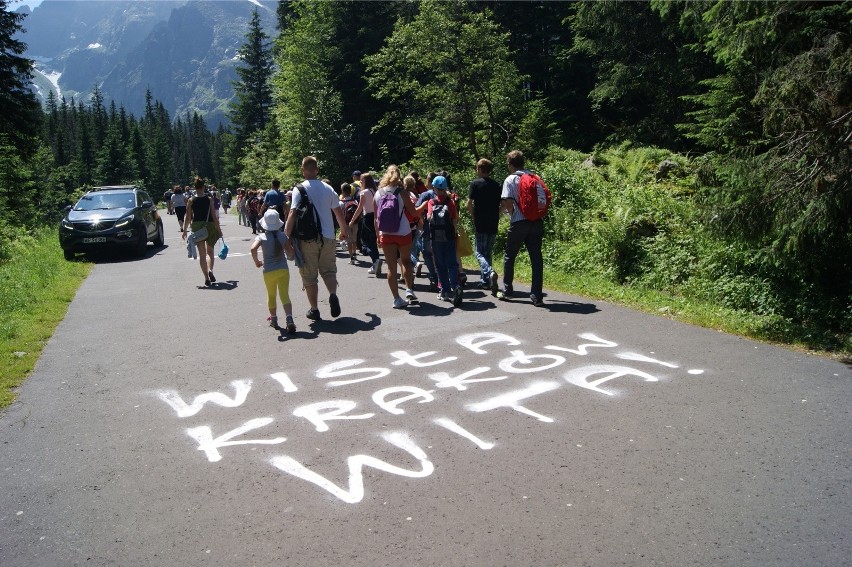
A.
pixel 273 321
pixel 334 303
pixel 399 303
pixel 457 296
pixel 313 314
pixel 492 277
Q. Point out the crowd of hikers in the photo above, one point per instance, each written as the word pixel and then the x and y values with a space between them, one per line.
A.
pixel 402 223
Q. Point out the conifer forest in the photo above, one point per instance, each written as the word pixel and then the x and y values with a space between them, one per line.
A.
pixel 699 149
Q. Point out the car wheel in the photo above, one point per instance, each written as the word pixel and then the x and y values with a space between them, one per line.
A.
pixel 69 254
pixel 142 245
pixel 159 238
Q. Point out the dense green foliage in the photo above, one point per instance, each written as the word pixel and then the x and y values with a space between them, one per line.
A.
pixel 748 103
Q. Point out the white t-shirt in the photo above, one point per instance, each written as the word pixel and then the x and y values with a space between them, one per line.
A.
pixel 404 227
pixel 324 199
pixel 368 205
pixel 510 191
pixel 178 199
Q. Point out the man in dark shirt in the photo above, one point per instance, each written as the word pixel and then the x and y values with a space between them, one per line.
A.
pixel 483 203
pixel 274 199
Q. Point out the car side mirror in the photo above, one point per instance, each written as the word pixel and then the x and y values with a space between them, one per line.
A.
pixel 68 208
pixel 147 204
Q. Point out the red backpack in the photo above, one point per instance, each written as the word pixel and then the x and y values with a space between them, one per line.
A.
pixel 533 196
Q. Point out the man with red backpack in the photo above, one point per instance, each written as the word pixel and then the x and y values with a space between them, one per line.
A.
pixel 526 199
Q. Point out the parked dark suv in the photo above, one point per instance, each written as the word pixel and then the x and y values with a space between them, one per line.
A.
pixel 110 217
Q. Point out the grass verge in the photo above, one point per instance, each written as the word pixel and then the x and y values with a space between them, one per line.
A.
pixel 38 285
pixel 671 306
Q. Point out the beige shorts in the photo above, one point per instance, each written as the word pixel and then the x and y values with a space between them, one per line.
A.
pixel 320 258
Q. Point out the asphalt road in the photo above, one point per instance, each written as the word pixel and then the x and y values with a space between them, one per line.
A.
pixel 167 424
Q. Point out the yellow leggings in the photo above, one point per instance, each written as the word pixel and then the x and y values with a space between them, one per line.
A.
pixel 277 280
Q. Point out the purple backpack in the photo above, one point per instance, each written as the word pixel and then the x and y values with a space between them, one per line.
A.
pixel 388 215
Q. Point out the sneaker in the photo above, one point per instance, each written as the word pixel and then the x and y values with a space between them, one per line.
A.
pixel 372 269
pixel 206 283
pixel 457 297
pixel 442 297
pixel 313 314
pixel 212 277
pixel 291 326
pixel 536 301
pixel 410 297
pixel 352 259
pixel 492 277
pixel 273 321
pixel 399 303
pixel 334 303
pixel 433 286
pixel 504 295
pixel 418 269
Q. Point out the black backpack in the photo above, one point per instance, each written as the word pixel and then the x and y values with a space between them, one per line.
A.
pixel 308 226
pixel 441 226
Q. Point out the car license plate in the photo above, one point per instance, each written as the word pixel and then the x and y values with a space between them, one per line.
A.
pixel 94 240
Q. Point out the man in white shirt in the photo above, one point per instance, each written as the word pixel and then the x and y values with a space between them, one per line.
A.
pixel 522 232
pixel 318 254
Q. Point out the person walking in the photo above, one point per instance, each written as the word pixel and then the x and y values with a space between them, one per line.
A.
pixel 393 201
pixel 276 248
pixel 200 215
pixel 350 205
pixel 216 201
pixel 442 216
pixel 522 232
pixel 253 206
pixel 483 204
pixel 178 204
pixel 167 200
pixel 318 253
pixel 423 199
pixel 242 210
pixel 226 200
pixel 273 199
pixel 366 215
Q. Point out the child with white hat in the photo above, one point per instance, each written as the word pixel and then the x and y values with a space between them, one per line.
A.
pixel 276 248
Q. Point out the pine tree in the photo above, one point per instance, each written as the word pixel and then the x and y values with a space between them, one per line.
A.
pixel 20 116
pixel 249 111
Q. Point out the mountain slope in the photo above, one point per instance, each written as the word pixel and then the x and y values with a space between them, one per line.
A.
pixel 184 50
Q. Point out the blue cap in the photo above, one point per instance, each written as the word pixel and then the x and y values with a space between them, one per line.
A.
pixel 439 182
